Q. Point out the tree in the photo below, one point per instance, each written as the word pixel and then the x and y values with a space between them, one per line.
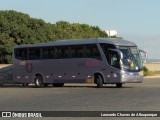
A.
pixel 17 28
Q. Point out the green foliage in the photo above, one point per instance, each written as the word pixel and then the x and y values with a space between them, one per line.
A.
pixel 145 70
pixel 18 28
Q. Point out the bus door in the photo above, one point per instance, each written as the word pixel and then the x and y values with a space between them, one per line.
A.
pixel 114 62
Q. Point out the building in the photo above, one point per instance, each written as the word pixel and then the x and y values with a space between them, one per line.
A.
pixel 111 33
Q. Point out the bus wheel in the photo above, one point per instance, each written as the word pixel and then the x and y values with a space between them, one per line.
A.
pixel 58 84
pixel 99 81
pixel 119 85
pixel 39 81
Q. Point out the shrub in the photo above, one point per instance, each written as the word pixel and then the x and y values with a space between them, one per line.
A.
pixel 145 70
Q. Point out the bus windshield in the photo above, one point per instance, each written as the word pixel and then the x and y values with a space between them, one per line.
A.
pixel 131 59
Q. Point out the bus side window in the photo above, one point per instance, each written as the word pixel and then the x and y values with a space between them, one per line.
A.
pixel 65 52
pixel 58 52
pixel 96 53
pixel 73 53
pixel 92 51
pixel 21 53
pixel 31 53
pixel 88 52
pixel 44 53
pixel 80 51
pixel 37 53
pixel 114 60
pixel 106 48
pixel 34 53
pixel 62 52
pixel 51 53
pixel 77 51
pixel 48 53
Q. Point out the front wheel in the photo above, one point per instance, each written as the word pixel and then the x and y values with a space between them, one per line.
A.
pixel 39 81
pixel 99 81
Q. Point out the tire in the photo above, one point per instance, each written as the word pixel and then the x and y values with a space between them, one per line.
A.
pixel 58 84
pixel 39 81
pixel 99 81
pixel 119 85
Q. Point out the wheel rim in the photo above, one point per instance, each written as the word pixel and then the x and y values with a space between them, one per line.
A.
pixel 99 81
pixel 37 82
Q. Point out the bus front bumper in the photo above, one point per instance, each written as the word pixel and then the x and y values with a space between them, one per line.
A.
pixel 131 78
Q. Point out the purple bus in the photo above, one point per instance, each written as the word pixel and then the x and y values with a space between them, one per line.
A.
pixel 97 60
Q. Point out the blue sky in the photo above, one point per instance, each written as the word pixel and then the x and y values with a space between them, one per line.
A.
pixel 135 20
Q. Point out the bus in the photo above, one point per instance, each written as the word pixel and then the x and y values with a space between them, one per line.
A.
pixel 96 60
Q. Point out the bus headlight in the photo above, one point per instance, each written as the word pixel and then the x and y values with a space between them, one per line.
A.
pixel 141 73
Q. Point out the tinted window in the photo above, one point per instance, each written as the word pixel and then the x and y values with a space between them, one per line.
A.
pixel 45 53
pixel 21 53
pixel 51 53
pixel 34 53
pixel 62 52
pixel 48 52
pixel 92 51
pixel 114 59
pixel 77 51
pixel 106 48
pixel 59 52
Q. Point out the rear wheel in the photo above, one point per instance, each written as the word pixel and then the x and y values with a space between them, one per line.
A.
pixel 39 81
pixel 58 84
pixel 119 85
pixel 99 81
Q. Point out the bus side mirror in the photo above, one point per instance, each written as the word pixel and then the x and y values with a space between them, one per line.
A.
pixel 143 55
pixel 121 55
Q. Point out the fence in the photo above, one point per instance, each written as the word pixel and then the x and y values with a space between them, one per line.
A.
pixel 153 66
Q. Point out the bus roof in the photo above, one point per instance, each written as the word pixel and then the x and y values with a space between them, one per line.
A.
pixel 113 41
